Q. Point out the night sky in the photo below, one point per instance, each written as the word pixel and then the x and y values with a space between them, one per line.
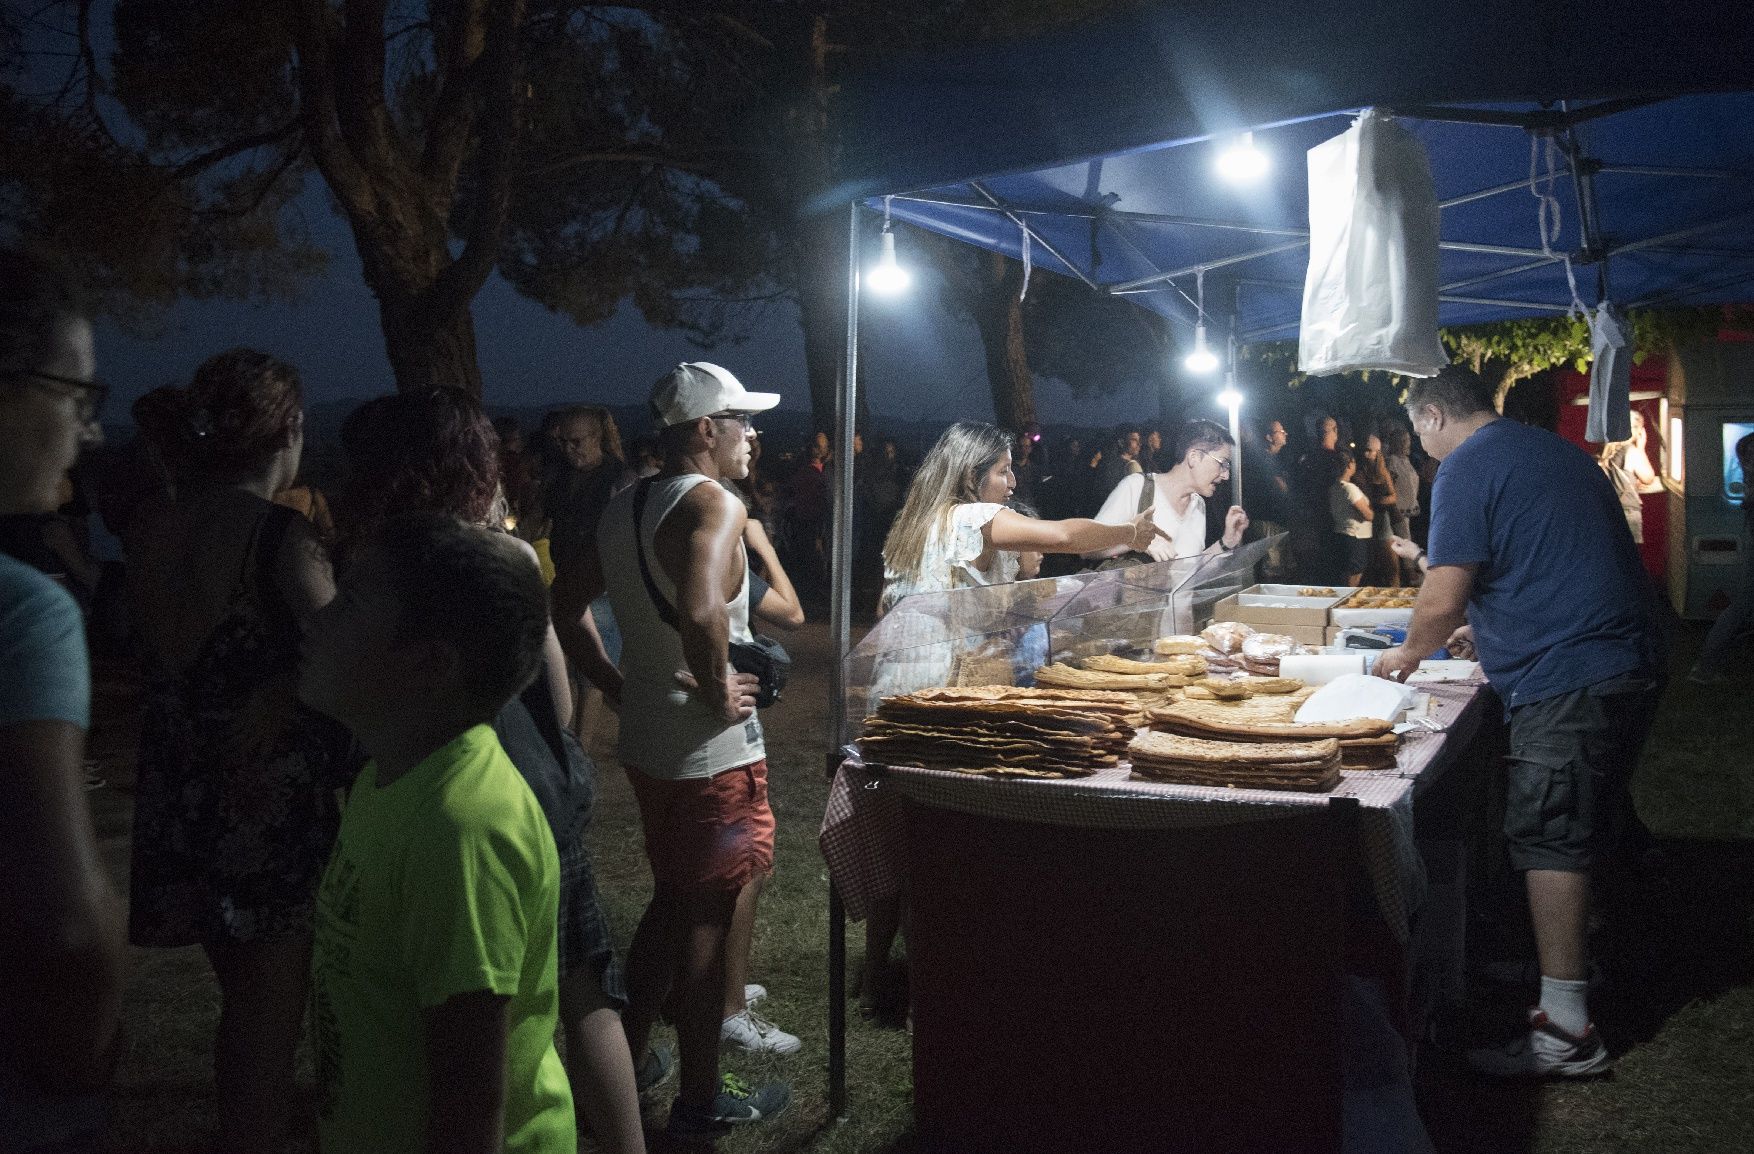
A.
pixel 922 364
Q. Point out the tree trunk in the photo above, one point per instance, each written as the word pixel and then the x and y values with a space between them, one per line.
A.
pixel 428 349
pixel 999 317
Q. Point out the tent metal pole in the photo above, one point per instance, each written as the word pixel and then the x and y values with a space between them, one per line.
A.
pixel 840 631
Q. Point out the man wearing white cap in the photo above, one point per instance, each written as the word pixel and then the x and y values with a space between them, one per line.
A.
pixel 670 552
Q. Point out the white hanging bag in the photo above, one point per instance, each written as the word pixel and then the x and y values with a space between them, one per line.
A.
pixel 1370 298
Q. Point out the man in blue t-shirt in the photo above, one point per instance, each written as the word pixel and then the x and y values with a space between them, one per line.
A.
pixel 1531 560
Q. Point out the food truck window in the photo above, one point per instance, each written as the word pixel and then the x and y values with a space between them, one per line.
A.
pixel 1735 484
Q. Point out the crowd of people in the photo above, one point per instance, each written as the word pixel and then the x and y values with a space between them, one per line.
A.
pixel 362 785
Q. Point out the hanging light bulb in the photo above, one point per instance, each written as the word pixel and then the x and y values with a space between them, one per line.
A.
pixel 888 278
pixel 1242 162
pixel 1202 360
pixel 1230 398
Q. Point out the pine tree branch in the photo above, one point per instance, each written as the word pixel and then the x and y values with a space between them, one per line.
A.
pixel 452 119
pixel 314 36
pixel 502 101
pixel 194 166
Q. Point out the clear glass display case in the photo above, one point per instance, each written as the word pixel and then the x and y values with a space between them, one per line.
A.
pixel 1001 634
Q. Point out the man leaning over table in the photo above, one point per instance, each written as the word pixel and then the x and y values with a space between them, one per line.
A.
pixel 1528 547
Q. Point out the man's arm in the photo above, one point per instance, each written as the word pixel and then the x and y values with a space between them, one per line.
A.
pixel 697 547
pixel 466 1074
pixel 66 956
pixel 1440 610
pixel 578 581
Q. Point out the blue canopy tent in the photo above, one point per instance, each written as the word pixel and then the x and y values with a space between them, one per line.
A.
pixel 1090 152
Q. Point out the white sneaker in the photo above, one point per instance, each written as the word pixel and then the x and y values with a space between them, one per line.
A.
pixel 752 1032
pixel 1545 1051
pixel 753 993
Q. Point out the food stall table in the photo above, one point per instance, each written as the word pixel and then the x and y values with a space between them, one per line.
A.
pixel 1102 963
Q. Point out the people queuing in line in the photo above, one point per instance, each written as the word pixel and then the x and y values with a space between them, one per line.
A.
pixel 443 919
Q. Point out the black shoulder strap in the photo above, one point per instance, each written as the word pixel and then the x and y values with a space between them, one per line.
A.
pixel 1147 491
pixel 666 611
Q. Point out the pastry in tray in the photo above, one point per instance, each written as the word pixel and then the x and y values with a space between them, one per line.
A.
pixel 1179 644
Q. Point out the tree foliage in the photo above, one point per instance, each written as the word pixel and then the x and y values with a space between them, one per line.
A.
pixel 171 164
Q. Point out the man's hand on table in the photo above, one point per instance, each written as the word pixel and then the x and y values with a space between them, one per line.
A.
pixel 1396 664
pixel 1461 644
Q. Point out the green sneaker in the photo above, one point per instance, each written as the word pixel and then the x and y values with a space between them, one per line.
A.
pixel 737 1104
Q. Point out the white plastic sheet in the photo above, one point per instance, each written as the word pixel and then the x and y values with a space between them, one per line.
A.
pixel 1370 298
pixel 1610 415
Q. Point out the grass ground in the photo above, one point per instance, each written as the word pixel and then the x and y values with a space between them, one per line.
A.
pixel 1680 1007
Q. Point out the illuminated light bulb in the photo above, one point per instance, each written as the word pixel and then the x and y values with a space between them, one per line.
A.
pixel 1230 398
pixel 888 278
pixel 1202 360
pixel 1242 162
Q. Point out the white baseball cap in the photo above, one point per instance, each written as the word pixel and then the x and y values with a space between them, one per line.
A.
pixel 697 389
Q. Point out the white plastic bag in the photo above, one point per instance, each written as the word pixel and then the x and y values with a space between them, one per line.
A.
pixel 1610 415
pixel 1370 298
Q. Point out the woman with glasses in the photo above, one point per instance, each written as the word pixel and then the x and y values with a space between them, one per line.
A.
pixel 235 804
pixel 62 951
pixel 1203 454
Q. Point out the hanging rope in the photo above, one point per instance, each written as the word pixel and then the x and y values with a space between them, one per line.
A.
pixel 1547 212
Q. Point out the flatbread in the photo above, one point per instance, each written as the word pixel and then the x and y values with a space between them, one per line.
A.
pixel 1186 666
pixel 1173 747
pixel 1061 675
pixel 1209 719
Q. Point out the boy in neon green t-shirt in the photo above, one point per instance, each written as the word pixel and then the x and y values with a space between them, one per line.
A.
pixel 434 994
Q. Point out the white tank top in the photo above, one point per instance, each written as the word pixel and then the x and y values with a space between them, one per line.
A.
pixel 666 731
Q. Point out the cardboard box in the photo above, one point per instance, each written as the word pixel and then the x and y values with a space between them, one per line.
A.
pixel 1271 609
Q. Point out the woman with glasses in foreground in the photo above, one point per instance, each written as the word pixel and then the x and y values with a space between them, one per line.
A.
pixel 1203 454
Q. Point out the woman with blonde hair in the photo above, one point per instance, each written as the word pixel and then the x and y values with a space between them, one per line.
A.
pixel 955 531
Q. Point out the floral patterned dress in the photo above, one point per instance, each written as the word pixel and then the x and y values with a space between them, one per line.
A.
pixel 235 807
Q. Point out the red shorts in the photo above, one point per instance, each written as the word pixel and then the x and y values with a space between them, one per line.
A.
pixel 706 833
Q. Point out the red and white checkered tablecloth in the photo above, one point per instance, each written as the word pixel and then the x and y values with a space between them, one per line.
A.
pixel 862 828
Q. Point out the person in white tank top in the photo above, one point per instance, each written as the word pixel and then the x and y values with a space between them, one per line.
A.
pixel 690 739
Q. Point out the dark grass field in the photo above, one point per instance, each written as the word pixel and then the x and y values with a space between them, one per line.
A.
pixel 1678 1010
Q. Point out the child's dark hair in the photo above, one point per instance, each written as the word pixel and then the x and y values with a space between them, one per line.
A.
pixel 473 590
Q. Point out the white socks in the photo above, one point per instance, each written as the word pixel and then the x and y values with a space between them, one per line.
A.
pixel 1563 1003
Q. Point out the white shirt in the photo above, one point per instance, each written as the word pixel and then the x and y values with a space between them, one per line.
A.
pixel 666 731
pixel 1187 532
pixel 948 561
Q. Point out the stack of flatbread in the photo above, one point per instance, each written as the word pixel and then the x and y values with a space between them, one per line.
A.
pixel 1002 731
pixel 1312 766
pixel 1365 742
pixel 1152 683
